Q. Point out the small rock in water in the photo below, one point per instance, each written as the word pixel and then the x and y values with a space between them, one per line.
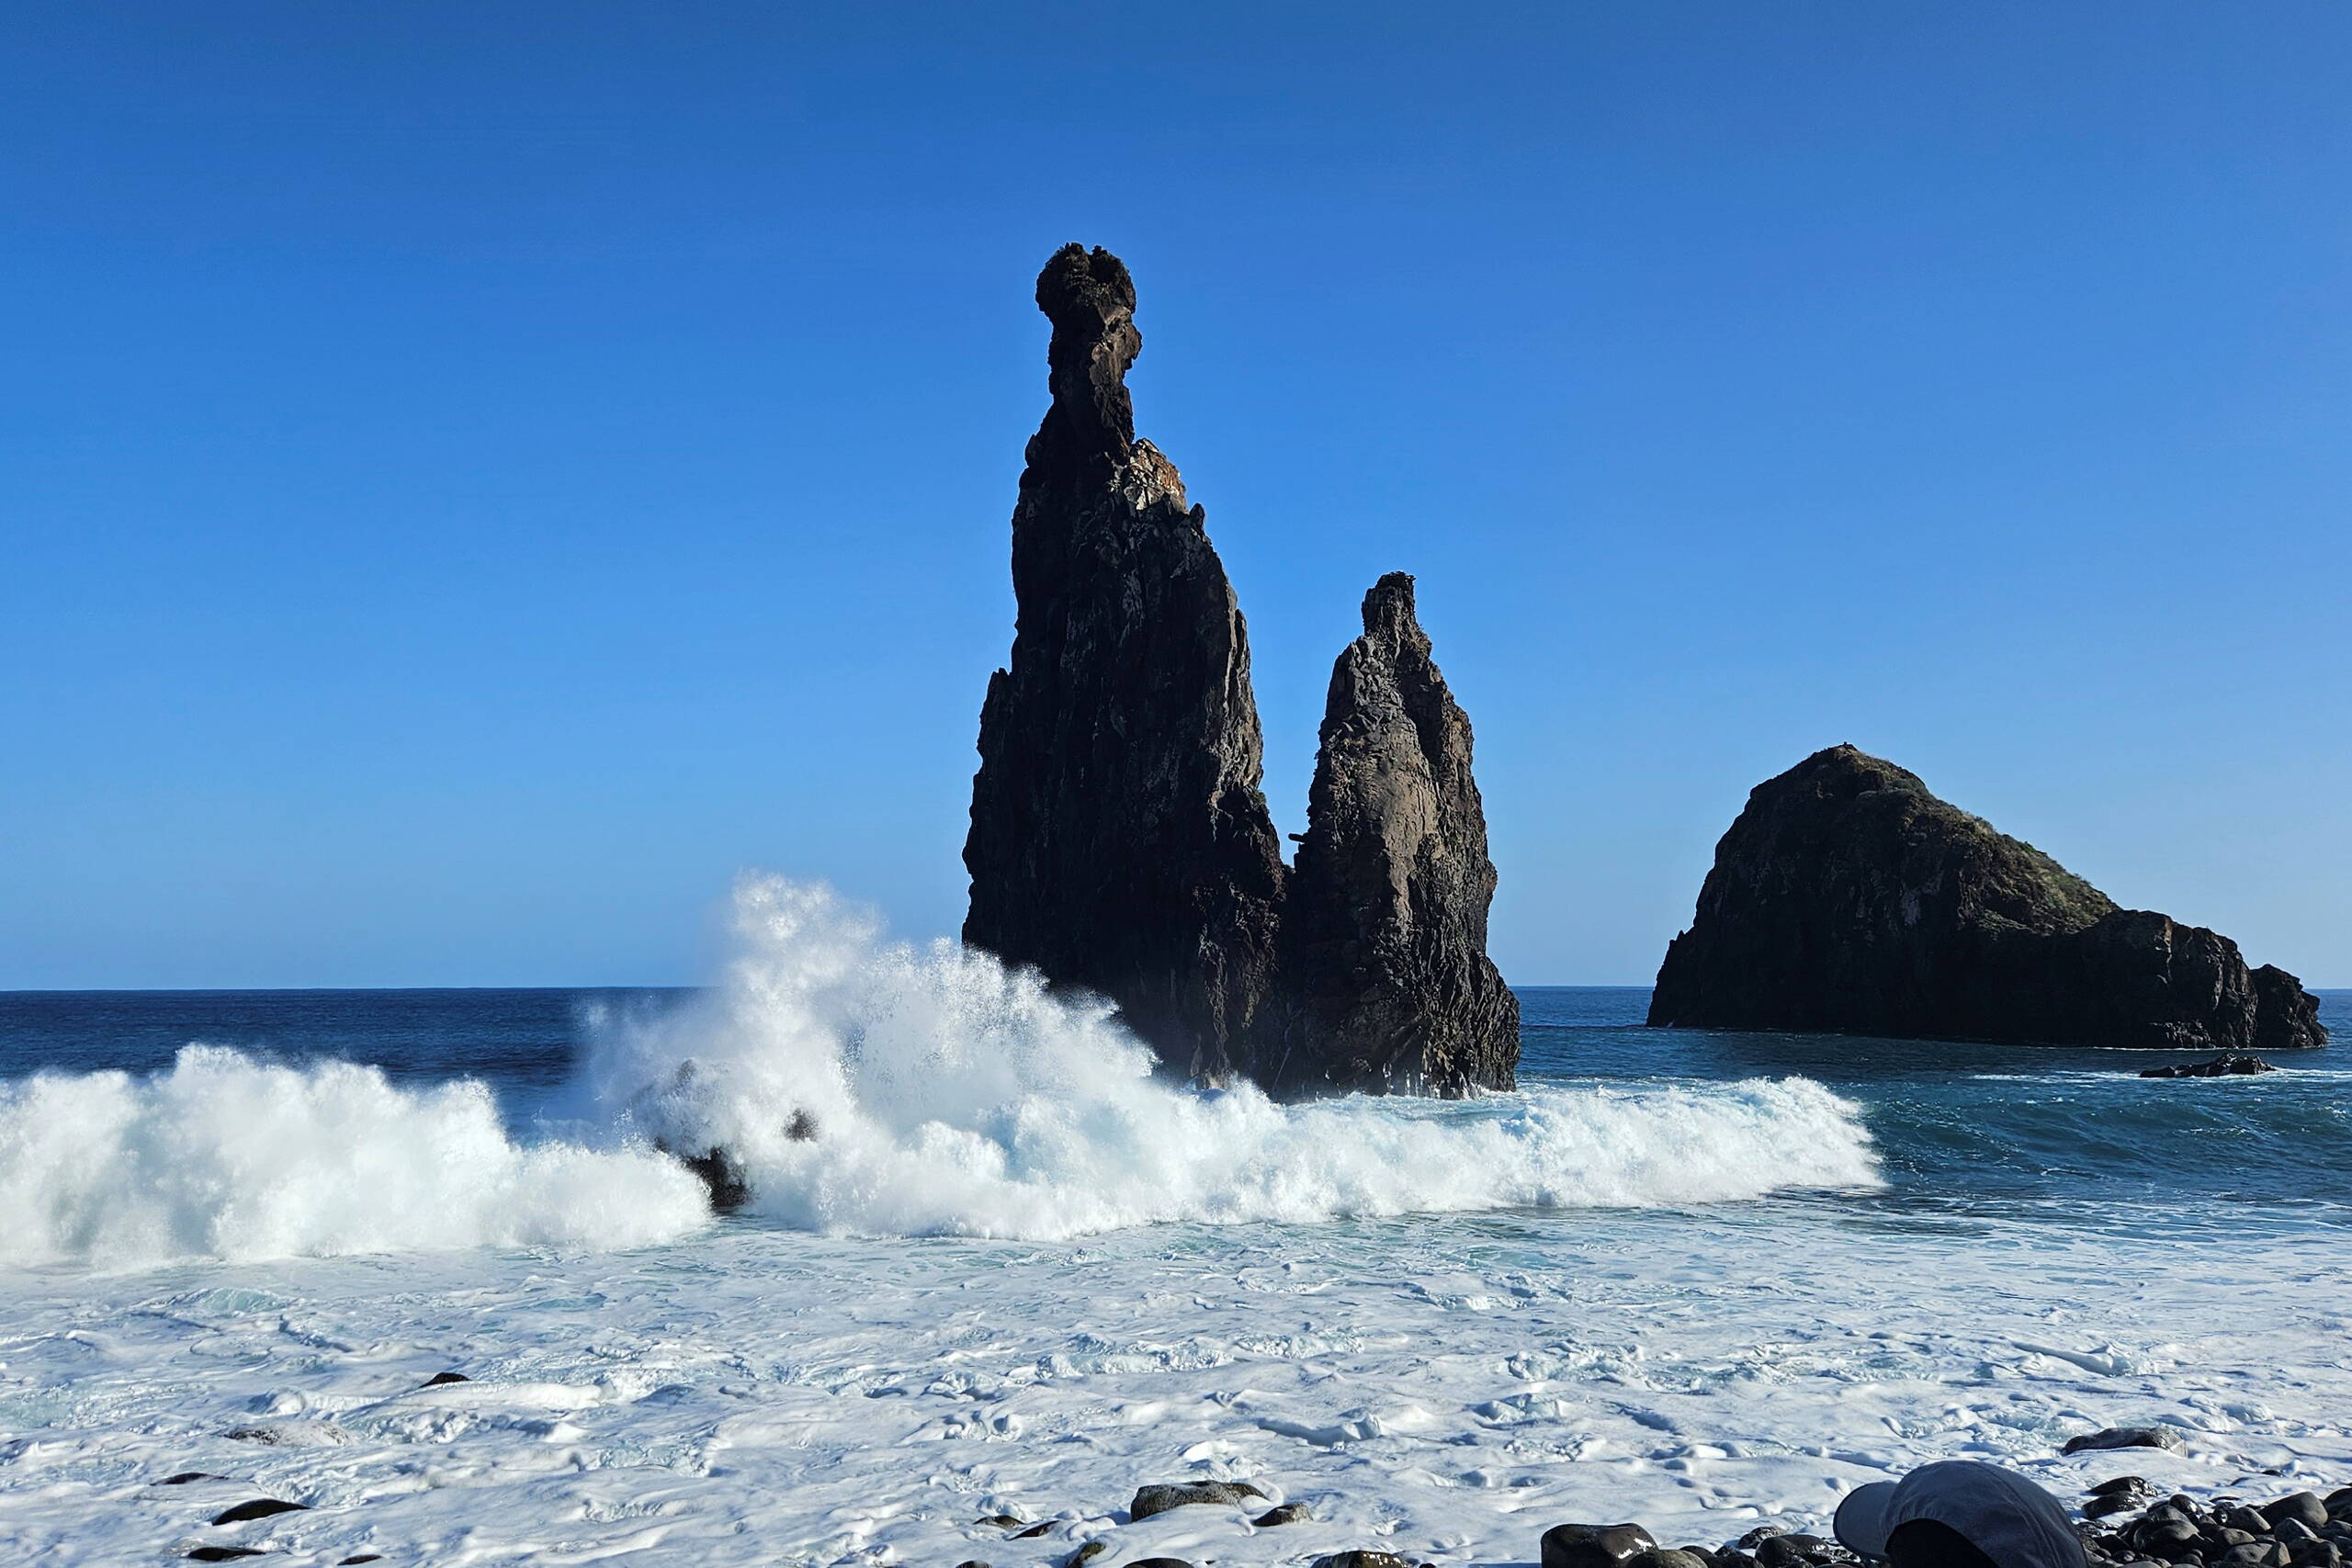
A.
pixel 1034 1531
pixel 1359 1560
pixel 1160 1563
pixel 2118 1495
pixel 1287 1514
pixel 379 1557
pixel 1002 1521
pixel 185 1476
pixel 259 1508
pixel 2124 1437
pixel 972 1563
pixel 1150 1500
pixel 442 1379
pixel 2230 1065
pixel 1594 1546
pixel 722 1176
pixel 223 1553
pixel 1086 1554
pixel 1757 1537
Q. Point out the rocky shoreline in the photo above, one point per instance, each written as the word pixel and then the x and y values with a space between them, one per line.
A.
pixel 2127 1522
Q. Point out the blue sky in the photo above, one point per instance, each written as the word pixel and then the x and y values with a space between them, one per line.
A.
pixel 475 477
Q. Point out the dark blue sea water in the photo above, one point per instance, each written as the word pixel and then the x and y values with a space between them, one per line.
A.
pixel 1968 1126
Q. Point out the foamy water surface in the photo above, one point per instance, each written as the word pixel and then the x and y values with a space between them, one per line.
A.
pixel 992 1266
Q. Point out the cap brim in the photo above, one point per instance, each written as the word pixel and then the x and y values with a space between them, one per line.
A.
pixel 1861 1521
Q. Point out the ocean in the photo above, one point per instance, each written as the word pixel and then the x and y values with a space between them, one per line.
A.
pixel 1703 1280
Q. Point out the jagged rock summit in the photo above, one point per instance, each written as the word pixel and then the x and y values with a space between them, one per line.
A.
pixel 1384 962
pixel 1119 840
pixel 1847 898
pixel 1120 843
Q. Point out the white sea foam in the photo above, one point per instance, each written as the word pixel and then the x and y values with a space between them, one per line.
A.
pixel 226 1157
pixel 866 1087
pixel 880 1088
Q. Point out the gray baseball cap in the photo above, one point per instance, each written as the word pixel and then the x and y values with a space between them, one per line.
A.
pixel 1998 1511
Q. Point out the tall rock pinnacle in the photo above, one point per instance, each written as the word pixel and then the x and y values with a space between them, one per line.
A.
pixel 1386 978
pixel 1119 840
pixel 1848 899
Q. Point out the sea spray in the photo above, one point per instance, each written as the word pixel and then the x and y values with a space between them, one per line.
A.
pixel 864 1087
pixel 868 1087
pixel 226 1157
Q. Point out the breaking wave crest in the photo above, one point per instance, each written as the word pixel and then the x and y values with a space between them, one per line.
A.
pixel 872 1087
pixel 863 1086
pixel 223 1155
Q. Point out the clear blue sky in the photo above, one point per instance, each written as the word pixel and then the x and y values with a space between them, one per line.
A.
pixel 476 477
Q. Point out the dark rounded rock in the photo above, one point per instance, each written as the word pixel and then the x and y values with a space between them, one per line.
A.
pixel 2302 1507
pixel 259 1508
pixel 1359 1560
pixel 185 1476
pixel 1286 1514
pixel 1789 1550
pixel 442 1379
pixel 1150 1500
pixel 1002 1521
pixel 1034 1531
pixel 2123 1438
pixel 972 1563
pixel 1160 1563
pixel 1758 1535
pixel 1594 1546
pixel 2115 1484
pixel 379 1557
pixel 2171 1539
pixel 1667 1558
pixel 1086 1554
pixel 223 1553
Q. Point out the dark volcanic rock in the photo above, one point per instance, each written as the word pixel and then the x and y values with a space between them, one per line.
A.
pixel 2219 1068
pixel 259 1508
pixel 1593 1546
pixel 1150 1500
pixel 1119 840
pixel 1384 978
pixel 1848 899
pixel 723 1175
pixel 1287 1514
pixel 2123 1438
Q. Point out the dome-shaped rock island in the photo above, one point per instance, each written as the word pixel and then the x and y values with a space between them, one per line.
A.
pixel 1848 900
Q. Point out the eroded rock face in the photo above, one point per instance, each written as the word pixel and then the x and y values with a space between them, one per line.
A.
pixel 1847 898
pixel 1119 840
pixel 1385 983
